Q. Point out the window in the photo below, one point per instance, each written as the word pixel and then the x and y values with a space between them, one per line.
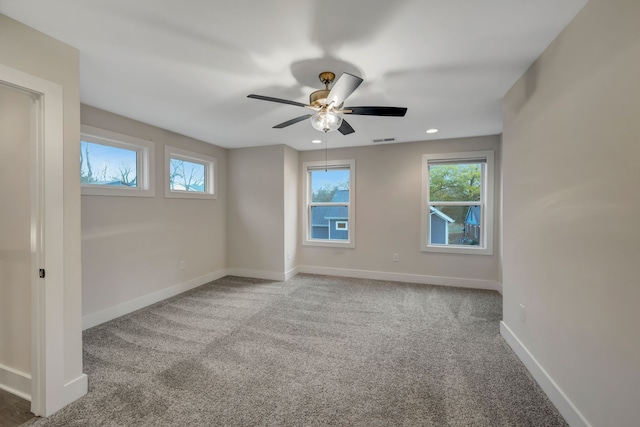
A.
pixel 189 174
pixel 457 212
pixel 329 203
pixel 112 164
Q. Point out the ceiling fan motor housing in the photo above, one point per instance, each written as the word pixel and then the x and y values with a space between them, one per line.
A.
pixel 319 97
pixel 327 77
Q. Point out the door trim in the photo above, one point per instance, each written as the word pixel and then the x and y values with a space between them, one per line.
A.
pixel 47 225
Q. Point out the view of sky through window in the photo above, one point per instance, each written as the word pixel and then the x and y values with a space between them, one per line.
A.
pixel 325 184
pixel 107 165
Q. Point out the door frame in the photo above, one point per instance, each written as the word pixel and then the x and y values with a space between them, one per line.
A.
pixel 47 207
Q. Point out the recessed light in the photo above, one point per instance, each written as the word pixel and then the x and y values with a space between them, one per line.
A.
pixel 316 141
pixel 432 131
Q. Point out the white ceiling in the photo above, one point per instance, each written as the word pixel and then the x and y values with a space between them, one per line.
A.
pixel 187 66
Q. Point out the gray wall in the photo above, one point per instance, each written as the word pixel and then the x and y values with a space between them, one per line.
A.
pixel 256 210
pixel 132 246
pixel 388 209
pixel 290 209
pixel 30 51
pixel 571 201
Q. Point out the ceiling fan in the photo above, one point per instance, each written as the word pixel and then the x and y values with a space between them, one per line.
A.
pixel 328 105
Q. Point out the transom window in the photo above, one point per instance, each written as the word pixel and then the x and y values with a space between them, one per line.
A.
pixel 186 176
pixel 329 203
pixel 458 202
pixel 113 164
pixel 189 174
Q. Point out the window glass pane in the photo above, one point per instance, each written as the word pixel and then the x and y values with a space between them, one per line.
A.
pixel 455 182
pixel 331 185
pixel 455 225
pixel 107 165
pixel 330 222
pixel 186 176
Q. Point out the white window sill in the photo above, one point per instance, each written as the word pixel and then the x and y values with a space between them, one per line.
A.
pixel 330 243
pixel 455 249
pixel 170 194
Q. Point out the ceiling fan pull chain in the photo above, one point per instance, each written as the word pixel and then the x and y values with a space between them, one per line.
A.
pixel 326 148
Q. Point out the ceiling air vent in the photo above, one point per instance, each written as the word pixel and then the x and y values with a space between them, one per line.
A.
pixel 384 140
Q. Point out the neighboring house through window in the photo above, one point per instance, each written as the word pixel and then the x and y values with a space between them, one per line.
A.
pixel 112 164
pixel 329 203
pixel 439 226
pixel 457 208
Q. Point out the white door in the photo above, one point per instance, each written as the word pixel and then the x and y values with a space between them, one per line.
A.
pixel 15 241
pixel 31 240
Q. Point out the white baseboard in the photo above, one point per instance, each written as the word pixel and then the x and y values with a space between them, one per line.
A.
pixel 15 382
pixel 127 307
pixel 291 273
pixel 548 385
pixel 75 389
pixel 403 277
pixel 367 274
pixel 499 287
pixel 258 274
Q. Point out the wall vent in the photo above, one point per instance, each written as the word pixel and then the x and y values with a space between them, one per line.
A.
pixel 384 140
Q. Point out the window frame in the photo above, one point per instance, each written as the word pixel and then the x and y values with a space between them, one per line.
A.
pixel 210 171
pixel 307 167
pixel 145 163
pixel 486 203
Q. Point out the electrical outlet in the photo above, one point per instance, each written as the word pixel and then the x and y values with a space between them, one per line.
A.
pixel 396 257
pixel 522 313
pixel 182 265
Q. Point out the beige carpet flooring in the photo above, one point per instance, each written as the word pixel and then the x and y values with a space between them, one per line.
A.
pixel 311 351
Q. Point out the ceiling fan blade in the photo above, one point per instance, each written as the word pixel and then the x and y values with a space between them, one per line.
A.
pixel 377 111
pixel 292 121
pixel 342 88
pixel 345 128
pixel 282 101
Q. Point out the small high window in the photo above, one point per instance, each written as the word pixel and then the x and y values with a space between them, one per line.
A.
pixel 189 174
pixel 112 164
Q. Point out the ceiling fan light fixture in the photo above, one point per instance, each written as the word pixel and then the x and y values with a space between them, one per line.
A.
pixel 327 105
pixel 326 121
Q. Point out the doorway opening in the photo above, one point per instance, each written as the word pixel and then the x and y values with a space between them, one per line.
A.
pixel 31 265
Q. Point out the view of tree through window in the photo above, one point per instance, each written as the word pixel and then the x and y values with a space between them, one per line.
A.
pixel 107 165
pixel 186 176
pixel 455 195
pixel 455 182
pixel 324 184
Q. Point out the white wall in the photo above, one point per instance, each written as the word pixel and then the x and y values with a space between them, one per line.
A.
pixel 571 201
pixel 15 231
pixel 290 208
pixel 27 50
pixel 256 211
pixel 388 209
pixel 132 246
